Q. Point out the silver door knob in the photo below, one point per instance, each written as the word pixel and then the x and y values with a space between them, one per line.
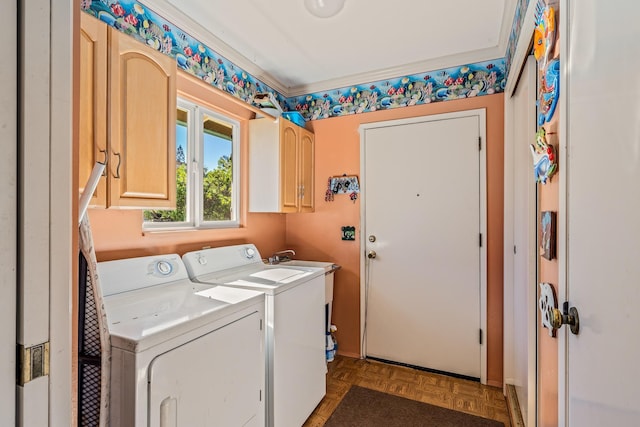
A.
pixel 371 254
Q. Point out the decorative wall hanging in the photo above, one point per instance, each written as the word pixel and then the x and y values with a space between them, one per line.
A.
pixel 548 235
pixel 549 92
pixel 544 36
pixel 547 303
pixel 344 184
pixel 348 232
pixel 544 158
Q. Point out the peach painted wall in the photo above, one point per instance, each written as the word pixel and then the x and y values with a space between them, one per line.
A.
pixel 548 346
pixel 118 233
pixel 549 196
pixel 318 235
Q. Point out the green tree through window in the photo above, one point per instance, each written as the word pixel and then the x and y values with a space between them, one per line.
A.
pixel 211 201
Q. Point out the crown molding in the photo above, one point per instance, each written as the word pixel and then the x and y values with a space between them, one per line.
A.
pixel 507 24
pixel 523 48
pixel 418 67
pixel 172 14
pixel 194 29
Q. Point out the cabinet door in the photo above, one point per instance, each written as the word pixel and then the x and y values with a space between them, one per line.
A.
pixel 93 104
pixel 142 125
pixel 290 189
pixel 306 171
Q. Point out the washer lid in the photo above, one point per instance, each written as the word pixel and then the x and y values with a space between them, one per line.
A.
pixel 144 317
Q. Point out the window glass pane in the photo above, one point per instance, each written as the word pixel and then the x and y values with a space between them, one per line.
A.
pixel 217 170
pixel 180 213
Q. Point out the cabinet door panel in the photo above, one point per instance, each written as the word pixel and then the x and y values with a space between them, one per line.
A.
pixel 306 171
pixel 289 168
pixel 93 104
pixel 142 124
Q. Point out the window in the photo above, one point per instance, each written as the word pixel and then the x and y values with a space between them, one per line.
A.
pixel 207 172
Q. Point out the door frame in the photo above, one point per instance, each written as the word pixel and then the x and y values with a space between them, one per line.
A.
pixel 8 214
pixel 510 223
pixel 47 204
pixel 561 220
pixel 480 113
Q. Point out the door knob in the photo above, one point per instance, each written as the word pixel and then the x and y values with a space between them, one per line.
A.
pixel 371 254
pixel 568 316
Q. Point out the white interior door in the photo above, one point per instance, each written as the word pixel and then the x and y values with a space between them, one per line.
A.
pixel 8 210
pixel 520 306
pixel 422 182
pixel 602 203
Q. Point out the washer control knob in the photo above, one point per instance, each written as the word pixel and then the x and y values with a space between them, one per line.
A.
pixel 164 267
pixel 202 260
pixel 249 253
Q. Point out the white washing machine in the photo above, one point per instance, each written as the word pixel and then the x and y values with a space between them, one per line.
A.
pixel 295 300
pixel 183 353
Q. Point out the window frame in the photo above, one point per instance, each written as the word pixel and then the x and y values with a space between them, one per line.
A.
pixel 194 158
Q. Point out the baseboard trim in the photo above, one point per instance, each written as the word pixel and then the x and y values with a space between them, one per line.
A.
pixel 514 407
pixel 349 354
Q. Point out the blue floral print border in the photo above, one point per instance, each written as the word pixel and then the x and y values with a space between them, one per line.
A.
pixel 514 35
pixel 138 21
pixel 483 78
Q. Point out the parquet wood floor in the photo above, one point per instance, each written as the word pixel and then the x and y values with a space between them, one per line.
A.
pixel 461 395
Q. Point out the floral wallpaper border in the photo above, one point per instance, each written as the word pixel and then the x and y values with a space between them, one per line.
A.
pixel 483 78
pixel 514 35
pixel 137 20
pixel 140 22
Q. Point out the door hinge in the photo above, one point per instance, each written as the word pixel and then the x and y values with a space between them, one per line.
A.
pixel 480 336
pixel 260 324
pixel 260 395
pixel 480 239
pixel 479 143
pixel 32 362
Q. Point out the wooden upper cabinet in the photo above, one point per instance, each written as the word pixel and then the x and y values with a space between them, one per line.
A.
pixel 93 104
pixel 306 171
pixel 127 118
pixel 290 186
pixel 281 166
pixel 142 124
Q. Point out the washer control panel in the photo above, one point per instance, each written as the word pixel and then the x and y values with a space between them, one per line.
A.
pixel 249 252
pixel 162 267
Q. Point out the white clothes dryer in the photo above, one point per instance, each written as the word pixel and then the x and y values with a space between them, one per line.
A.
pixel 183 353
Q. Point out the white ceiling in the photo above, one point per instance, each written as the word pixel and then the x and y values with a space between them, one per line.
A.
pixel 281 43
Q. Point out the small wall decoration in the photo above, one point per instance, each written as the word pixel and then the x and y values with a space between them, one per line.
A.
pixel 348 232
pixel 548 235
pixel 549 92
pixel 547 303
pixel 544 158
pixel 544 35
pixel 344 184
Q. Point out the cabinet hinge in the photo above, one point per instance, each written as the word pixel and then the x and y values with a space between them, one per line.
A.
pixel 480 336
pixel 479 143
pixel 32 362
pixel 480 239
pixel 260 395
pixel 260 324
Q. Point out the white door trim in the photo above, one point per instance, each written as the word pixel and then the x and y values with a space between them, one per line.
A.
pixel 8 210
pixel 48 220
pixel 561 220
pixel 65 24
pixel 511 223
pixel 481 114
